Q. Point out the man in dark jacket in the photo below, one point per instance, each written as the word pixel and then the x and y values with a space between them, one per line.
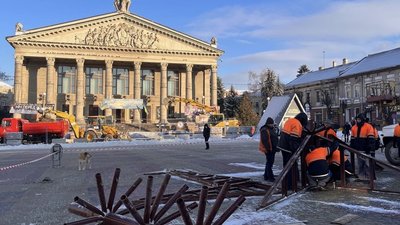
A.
pixel 268 144
pixel 290 140
pixel 206 135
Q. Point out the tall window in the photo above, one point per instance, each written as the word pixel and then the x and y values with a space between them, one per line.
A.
pixel 357 91
pixel 318 96
pixel 66 79
pixel 347 90
pixel 147 82
pixel 332 96
pixel 173 83
pixel 94 80
pixel 120 81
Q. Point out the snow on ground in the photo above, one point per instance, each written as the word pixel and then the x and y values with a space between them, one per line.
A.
pixel 123 143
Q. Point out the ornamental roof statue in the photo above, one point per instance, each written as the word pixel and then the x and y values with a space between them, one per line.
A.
pixel 122 5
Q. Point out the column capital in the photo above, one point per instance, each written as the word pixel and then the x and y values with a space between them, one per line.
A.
pixel 80 61
pixel 109 63
pixel 214 68
pixel 189 67
pixel 19 59
pixel 138 65
pixel 50 61
pixel 164 66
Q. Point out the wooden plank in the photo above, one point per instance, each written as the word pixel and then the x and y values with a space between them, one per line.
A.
pixel 282 175
pixel 345 219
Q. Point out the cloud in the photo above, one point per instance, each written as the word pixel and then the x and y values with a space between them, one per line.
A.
pixel 287 38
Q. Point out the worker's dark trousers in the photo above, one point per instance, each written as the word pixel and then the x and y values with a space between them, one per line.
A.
pixel 207 144
pixel 268 174
pixel 286 157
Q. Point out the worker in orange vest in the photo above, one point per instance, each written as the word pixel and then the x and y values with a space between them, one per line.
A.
pixel 334 165
pixel 327 132
pixel 290 140
pixel 318 172
pixel 396 137
pixel 268 144
pixel 363 140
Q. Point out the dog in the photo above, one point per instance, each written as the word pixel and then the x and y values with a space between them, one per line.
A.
pixel 84 161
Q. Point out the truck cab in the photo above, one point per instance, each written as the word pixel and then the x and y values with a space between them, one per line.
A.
pixel 9 125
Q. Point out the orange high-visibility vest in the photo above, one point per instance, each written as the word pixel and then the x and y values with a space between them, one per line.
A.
pixel 327 132
pixel 335 158
pixel 293 127
pixel 317 154
pixel 366 131
pixel 261 146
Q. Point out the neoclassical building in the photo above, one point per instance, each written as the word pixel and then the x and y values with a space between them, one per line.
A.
pixel 76 65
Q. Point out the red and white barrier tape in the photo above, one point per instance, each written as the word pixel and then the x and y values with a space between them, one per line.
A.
pixel 26 163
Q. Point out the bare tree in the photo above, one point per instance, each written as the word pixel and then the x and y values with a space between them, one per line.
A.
pixel 267 83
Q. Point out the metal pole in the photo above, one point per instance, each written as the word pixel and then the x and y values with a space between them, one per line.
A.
pixel 132 210
pixel 170 202
pixel 87 205
pixel 185 215
pixel 147 202
pixel 230 210
pixel 113 188
pixel 202 205
pixel 128 193
pixel 100 189
pixel 217 204
pixel 159 196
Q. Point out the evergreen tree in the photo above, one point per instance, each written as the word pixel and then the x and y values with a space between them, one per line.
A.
pixel 302 70
pixel 220 94
pixel 246 114
pixel 268 83
pixel 271 86
pixel 231 103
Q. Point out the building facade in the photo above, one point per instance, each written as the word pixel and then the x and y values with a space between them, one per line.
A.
pixel 74 66
pixel 339 93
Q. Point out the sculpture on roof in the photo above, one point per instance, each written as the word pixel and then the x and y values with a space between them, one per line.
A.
pixel 213 42
pixel 19 29
pixel 122 5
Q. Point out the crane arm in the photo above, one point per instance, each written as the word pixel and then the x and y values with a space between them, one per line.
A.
pixel 71 119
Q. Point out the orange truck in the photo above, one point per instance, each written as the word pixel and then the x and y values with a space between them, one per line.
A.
pixel 33 132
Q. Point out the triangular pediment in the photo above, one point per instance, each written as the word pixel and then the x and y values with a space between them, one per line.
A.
pixel 115 30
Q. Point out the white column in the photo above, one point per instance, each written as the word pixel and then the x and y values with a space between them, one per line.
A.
pixel 108 92
pixel 19 60
pixel 137 91
pixel 189 71
pixel 50 81
pixel 163 107
pixel 80 91
pixel 214 85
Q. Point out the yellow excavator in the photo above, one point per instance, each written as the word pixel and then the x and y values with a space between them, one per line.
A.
pixel 213 117
pixel 97 125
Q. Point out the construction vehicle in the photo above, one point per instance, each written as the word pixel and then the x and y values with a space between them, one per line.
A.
pixel 37 132
pixel 98 126
pixel 205 113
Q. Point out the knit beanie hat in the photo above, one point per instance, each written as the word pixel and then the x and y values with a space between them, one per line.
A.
pixel 270 121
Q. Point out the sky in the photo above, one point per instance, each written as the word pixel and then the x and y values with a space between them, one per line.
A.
pixel 254 34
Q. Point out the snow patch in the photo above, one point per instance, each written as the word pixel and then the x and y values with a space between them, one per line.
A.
pixel 359 207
